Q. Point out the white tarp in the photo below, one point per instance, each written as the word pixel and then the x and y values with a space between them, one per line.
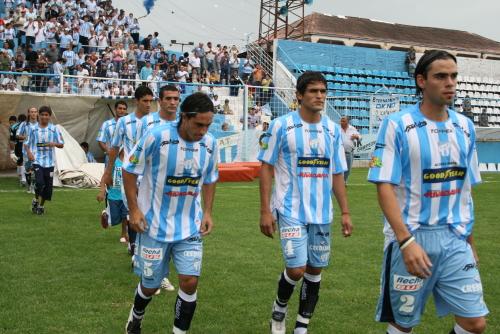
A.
pixel 71 167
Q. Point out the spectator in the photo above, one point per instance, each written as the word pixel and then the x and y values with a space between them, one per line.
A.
pixel 195 63
pixel 226 109
pixel 85 147
pixel 483 119
pixel 294 105
pixel 146 71
pixel 51 87
pixel 350 138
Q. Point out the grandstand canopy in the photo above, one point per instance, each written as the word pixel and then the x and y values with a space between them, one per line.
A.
pixel 356 31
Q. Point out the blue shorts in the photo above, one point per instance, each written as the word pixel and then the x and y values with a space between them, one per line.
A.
pixel 152 258
pixel 304 244
pixel 455 282
pixel 116 211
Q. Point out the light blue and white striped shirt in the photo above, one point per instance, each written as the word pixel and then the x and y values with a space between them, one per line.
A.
pixel 24 130
pixel 153 120
pixel 38 141
pixel 433 166
pixel 173 172
pixel 304 156
pixel 105 134
pixel 127 133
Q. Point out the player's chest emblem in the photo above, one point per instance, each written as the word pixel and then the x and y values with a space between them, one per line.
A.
pixel 188 165
pixel 314 143
pixel 444 149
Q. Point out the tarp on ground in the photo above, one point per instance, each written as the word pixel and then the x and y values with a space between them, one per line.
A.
pixel 81 116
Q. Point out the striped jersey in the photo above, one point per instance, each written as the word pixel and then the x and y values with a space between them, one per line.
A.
pixel 24 130
pixel 173 172
pixel 127 133
pixel 304 156
pixel 152 120
pixel 105 134
pixel 37 141
pixel 432 165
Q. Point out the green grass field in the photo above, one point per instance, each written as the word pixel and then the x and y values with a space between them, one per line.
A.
pixel 62 273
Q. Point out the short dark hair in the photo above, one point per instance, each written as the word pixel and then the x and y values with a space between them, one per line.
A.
pixel 21 118
pixel 426 61
pixel 84 144
pixel 46 109
pixel 167 88
pixel 194 104
pixel 142 91
pixel 123 103
pixel 13 118
pixel 307 78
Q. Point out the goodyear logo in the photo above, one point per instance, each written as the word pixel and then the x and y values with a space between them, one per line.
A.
pixel 178 181
pixel 438 175
pixel 42 144
pixel 313 162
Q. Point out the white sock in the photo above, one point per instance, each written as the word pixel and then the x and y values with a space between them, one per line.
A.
pixel 176 330
pixel 393 330
pixel 460 330
pixel 278 308
pixel 300 330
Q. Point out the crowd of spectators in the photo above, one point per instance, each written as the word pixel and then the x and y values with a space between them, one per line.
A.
pixel 42 39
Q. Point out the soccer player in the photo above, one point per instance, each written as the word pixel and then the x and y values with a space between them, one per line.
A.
pixel 16 145
pixel 424 166
pixel 127 133
pixel 169 101
pixel 105 134
pixel 178 164
pixel 40 147
pixel 23 132
pixel 303 149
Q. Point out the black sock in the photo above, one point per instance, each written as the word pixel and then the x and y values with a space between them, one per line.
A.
pixel 140 303
pixel 131 235
pixel 285 289
pixel 453 331
pixel 184 310
pixel 309 295
pixel 28 179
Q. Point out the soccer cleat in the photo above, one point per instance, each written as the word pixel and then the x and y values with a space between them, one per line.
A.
pixel 104 219
pixel 40 210
pixel 34 205
pixel 278 323
pixel 133 325
pixel 165 284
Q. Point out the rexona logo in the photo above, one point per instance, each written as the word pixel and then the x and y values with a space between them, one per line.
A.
pixel 313 162
pixel 407 283
pixel 178 181
pixel 290 232
pixel 437 175
pixel 151 253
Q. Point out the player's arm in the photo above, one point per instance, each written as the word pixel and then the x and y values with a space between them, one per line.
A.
pixel 103 146
pixel 341 197
pixel 113 153
pixel 28 142
pixel 208 195
pixel 102 192
pixel 416 260
pixel 136 217
pixel 267 221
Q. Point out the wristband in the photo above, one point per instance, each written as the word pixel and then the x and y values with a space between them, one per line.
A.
pixel 407 243
pixel 401 243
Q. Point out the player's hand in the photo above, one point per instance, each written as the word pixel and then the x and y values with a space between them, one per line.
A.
pixel 137 221
pixel 106 178
pixel 267 224
pixel 100 196
pixel 346 225
pixel 416 260
pixel 31 157
pixel 206 224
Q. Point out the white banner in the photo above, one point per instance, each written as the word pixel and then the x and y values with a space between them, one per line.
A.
pixel 380 107
pixel 368 142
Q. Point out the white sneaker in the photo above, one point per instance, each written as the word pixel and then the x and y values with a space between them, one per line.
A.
pixel 278 322
pixel 165 284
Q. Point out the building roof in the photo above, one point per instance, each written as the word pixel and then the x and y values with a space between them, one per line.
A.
pixel 384 32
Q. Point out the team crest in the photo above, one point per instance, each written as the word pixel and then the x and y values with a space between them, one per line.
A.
pixel 444 149
pixel 188 164
pixel 314 143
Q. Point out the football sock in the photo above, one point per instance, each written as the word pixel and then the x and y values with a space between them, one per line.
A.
pixel 459 330
pixel 140 303
pixel 184 311
pixel 393 330
pixel 286 285
pixel 309 295
pixel 131 235
pixel 28 179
